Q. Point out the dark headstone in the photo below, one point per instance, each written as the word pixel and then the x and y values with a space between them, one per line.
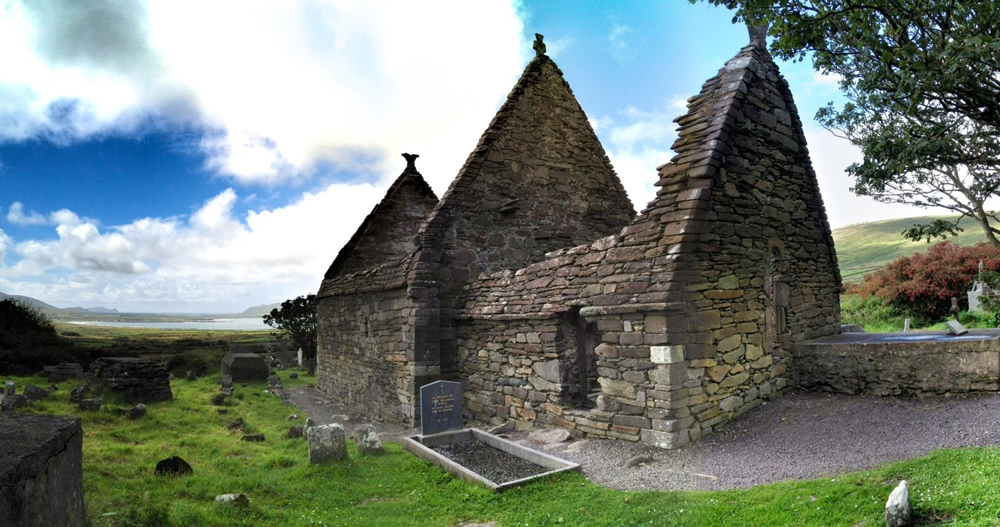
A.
pixel 440 407
pixel 293 375
pixel 191 376
pixel 173 465
pixel 79 393
pixel 238 424
pixel 35 393
pixel 136 411
pixel 295 431
pixel 134 380
pixel 253 438
pixel 91 405
pixel 245 367
pixel 219 399
pixel 311 366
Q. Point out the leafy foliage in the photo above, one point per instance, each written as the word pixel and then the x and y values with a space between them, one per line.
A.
pixel 297 319
pixel 28 340
pixel 922 81
pixel 924 284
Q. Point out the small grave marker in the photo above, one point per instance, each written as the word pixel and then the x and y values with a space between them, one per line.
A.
pixel 956 328
pixel 440 407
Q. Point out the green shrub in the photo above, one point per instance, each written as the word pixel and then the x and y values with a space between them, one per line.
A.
pixel 922 285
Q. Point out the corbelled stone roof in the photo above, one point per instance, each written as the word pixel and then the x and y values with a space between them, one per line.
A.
pixel 388 234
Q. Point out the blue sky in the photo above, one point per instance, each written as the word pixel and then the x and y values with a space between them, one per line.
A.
pixel 191 157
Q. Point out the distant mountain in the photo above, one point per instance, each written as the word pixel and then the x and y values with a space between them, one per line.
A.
pixel 97 310
pixel 261 310
pixel 37 304
pixel 42 306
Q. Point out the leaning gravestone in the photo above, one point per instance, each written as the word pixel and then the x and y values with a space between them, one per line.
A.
pixel 440 407
pixel 956 328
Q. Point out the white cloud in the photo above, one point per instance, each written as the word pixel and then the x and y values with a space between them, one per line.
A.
pixel 284 86
pixel 619 39
pixel 637 142
pixel 211 261
pixel 17 216
pixel 831 155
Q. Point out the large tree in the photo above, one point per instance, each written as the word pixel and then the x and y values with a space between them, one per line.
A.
pixel 297 319
pixel 922 86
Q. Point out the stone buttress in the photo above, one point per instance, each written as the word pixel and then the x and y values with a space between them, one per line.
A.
pixel 365 329
pixel 687 316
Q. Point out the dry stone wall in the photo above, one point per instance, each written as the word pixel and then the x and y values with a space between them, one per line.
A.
pixel 881 364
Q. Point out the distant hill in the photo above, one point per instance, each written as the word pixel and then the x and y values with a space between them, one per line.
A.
pixel 37 304
pixel 97 310
pixel 866 247
pixel 261 310
pixel 42 306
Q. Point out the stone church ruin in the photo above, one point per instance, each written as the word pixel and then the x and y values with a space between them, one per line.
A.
pixel 533 281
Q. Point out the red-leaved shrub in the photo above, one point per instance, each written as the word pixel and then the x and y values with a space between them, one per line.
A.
pixel 924 283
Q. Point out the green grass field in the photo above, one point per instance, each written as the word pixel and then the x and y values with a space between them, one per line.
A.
pixel 867 247
pixel 951 487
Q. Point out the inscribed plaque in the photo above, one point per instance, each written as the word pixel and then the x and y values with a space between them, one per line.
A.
pixel 440 407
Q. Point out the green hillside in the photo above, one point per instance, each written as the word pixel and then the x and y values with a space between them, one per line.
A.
pixel 866 247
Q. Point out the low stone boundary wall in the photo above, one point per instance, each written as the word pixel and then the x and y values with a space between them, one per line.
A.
pixel 41 470
pixel 910 363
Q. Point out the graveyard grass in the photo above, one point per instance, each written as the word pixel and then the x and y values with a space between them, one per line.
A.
pixel 950 487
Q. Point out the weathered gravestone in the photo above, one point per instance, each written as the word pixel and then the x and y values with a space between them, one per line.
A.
pixel 326 442
pixel 244 367
pixel 440 407
pixel 227 385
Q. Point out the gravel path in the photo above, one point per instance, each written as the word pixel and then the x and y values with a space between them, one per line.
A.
pixel 800 435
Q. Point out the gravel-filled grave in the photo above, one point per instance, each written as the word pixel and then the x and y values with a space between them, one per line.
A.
pixel 489 462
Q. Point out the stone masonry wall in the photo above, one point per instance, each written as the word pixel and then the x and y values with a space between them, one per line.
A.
pixel 538 180
pixel 371 333
pixel 698 302
pixel 868 363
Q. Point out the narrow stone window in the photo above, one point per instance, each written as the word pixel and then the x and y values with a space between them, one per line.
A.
pixel 578 360
pixel 777 295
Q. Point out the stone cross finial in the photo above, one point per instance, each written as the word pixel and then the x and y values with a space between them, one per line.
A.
pixel 410 160
pixel 758 34
pixel 538 46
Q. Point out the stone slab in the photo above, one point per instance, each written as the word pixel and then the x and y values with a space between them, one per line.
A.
pixel 41 470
